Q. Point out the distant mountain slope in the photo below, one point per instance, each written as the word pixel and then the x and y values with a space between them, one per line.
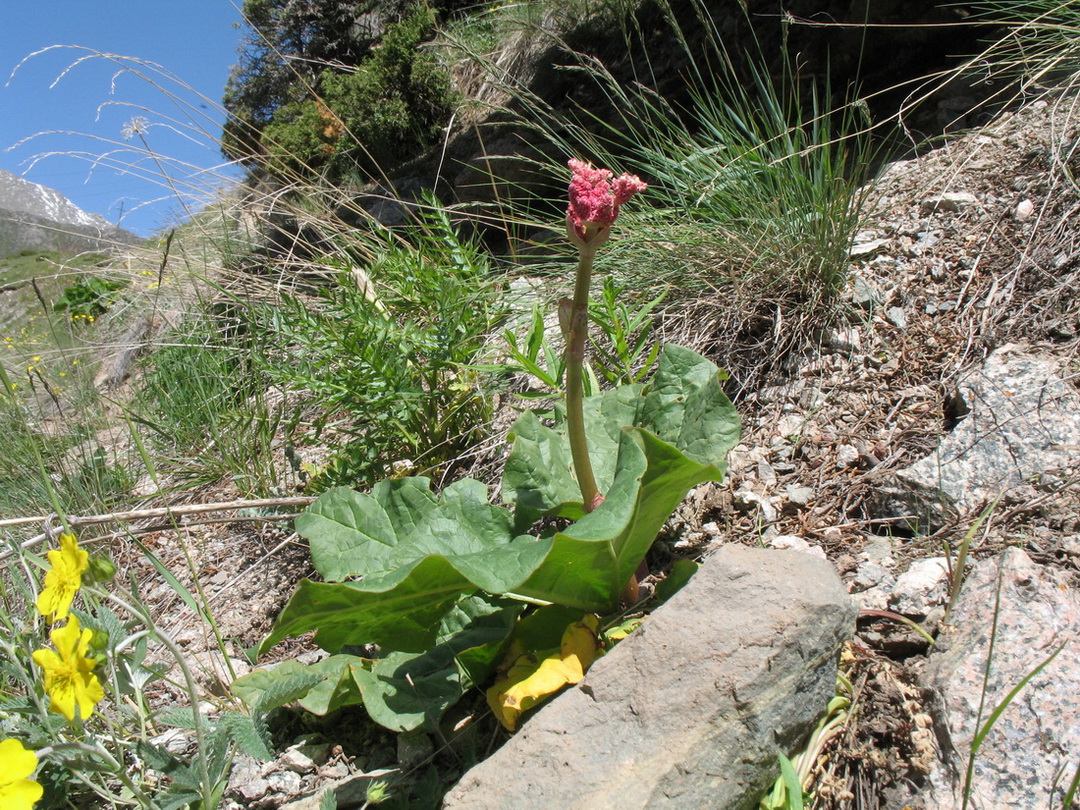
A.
pixel 38 218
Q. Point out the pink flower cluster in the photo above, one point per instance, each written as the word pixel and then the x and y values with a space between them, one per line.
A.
pixel 595 200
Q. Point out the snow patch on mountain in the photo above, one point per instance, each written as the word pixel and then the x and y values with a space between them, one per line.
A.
pixel 21 196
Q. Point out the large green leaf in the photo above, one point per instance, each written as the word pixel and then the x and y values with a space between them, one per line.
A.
pixel 683 406
pixel 381 536
pixel 415 555
pixel 592 560
pixel 682 427
pixel 321 687
pixel 403 692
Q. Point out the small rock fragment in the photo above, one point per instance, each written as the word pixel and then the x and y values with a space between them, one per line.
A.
pixel 864 250
pixel 296 761
pixel 1024 210
pixel 921 588
pixel 800 496
pixel 285 782
pixel 796 543
pixel 870 574
pixel 339 770
pixel 253 790
pixel 847 455
pixel 790 424
pixel 844 340
pixel 746 500
pixel 765 472
pixel 925 241
pixel 897 317
pixel 1071 545
pixel 949 201
pixel 865 294
pixel 879 549
pixel 245 779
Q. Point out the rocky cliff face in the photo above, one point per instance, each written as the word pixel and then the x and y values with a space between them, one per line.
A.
pixel 39 218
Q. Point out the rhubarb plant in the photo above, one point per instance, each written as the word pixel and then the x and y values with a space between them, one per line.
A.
pixel 454 591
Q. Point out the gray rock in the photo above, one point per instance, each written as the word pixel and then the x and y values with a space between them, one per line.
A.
pixel 1071 545
pixel 844 341
pixel 1023 423
pixel 873 598
pixel 866 294
pixel 1037 737
pixel 765 471
pixel 897 317
pixel 870 574
pixel 873 578
pixel 790 424
pixel 800 496
pixel 745 499
pixel 297 761
pixel 847 455
pixel 245 779
pixel 285 782
pixel 252 790
pixel 339 770
pixel 864 250
pixel 949 201
pixel 921 588
pixel 796 543
pixel 690 710
pixel 925 241
pixel 878 549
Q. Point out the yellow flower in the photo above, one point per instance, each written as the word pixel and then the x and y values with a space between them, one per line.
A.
pixel 17 791
pixel 531 679
pixel 63 579
pixel 68 676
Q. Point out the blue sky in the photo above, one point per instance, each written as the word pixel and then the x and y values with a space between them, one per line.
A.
pixel 90 108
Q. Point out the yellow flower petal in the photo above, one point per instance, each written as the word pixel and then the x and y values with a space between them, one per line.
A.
pixel 76 558
pixel 69 678
pixel 63 579
pixel 62 696
pixel 47 659
pixel 16 762
pixel 532 679
pixel 17 791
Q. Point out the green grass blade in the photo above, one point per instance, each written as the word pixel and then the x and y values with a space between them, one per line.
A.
pixel 791 783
